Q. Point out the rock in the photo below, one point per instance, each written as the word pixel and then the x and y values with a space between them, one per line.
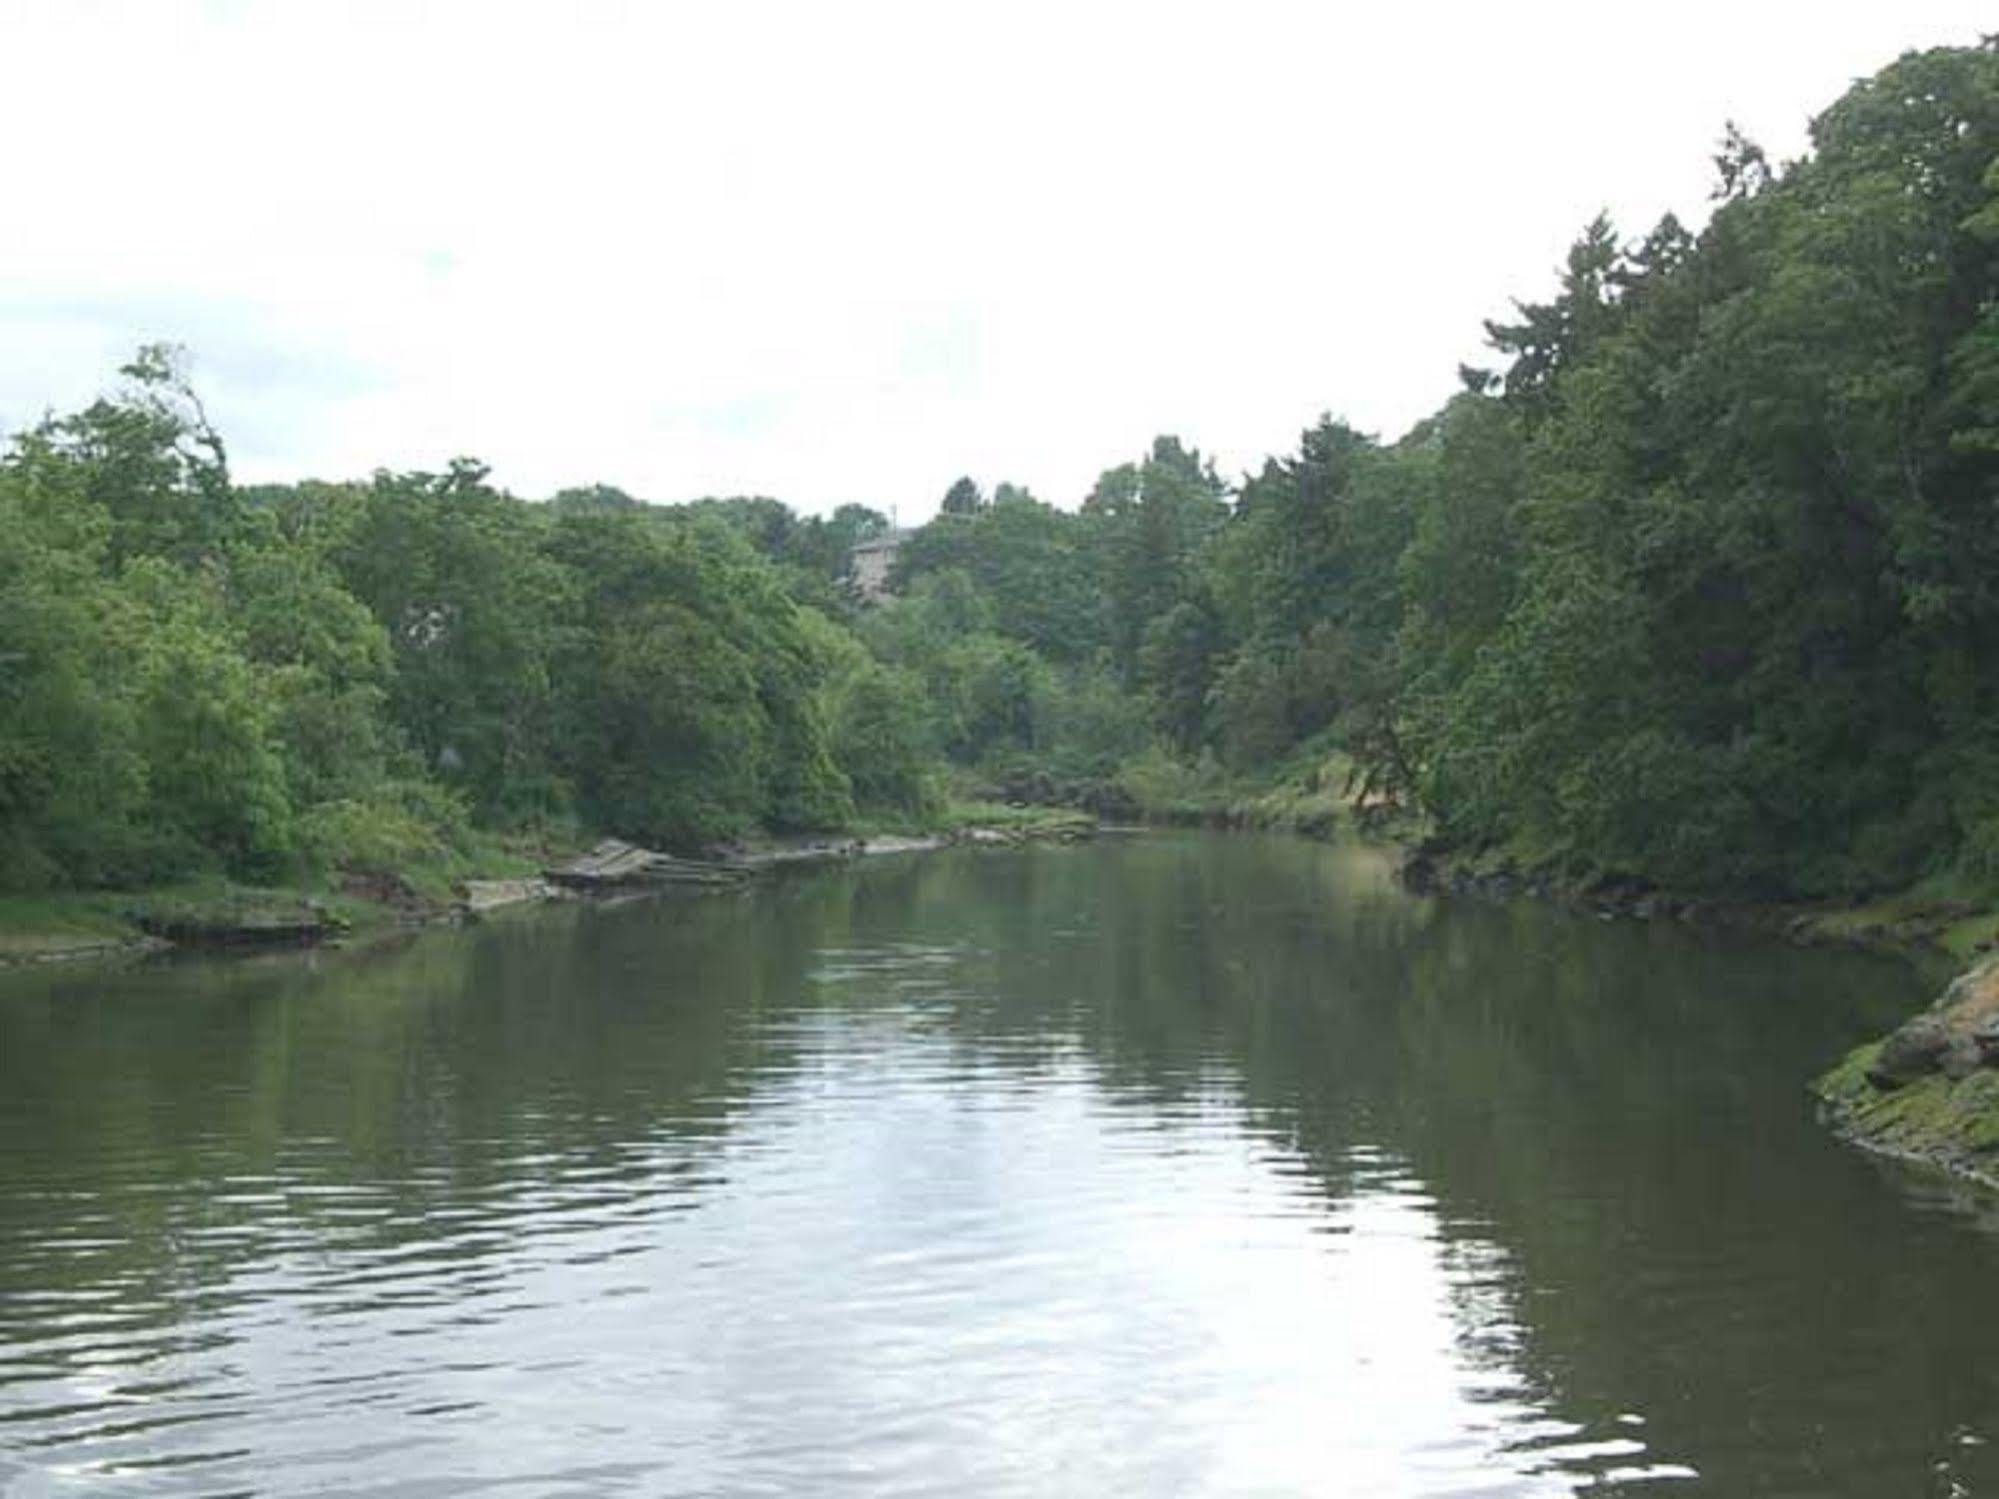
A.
pixel 1914 1050
pixel 1974 994
pixel 1961 1058
pixel 1419 872
pixel 481 896
pixel 614 865
pixel 889 844
pixel 1985 1041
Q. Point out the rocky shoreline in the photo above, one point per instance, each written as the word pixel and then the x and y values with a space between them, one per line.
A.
pixel 1927 1094
pixel 363 905
pixel 1428 870
pixel 1929 1091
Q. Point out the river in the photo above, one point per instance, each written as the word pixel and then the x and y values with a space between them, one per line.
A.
pixel 1169 1165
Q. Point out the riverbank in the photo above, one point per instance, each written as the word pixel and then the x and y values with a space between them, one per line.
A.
pixel 355 905
pixel 1310 793
pixel 219 914
pixel 1927 1093
pixel 1314 792
pixel 1907 919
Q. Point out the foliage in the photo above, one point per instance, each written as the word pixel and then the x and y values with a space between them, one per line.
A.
pixel 1695 585
pixel 1702 594
pixel 1030 562
pixel 200 680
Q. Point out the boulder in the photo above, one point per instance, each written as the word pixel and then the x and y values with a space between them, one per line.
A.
pixel 1956 1036
pixel 1985 1041
pixel 1961 1057
pixel 1914 1050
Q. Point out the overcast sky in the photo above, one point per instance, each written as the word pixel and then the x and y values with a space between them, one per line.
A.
pixel 843 251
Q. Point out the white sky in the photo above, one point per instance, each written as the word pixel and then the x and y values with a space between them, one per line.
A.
pixel 843 251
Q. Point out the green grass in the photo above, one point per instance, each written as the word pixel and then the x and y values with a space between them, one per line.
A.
pixel 75 923
pixel 959 815
pixel 489 856
pixel 1934 1117
pixel 1972 934
pixel 82 922
pixel 962 812
pixel 35 926
pixel 1948 910
pixel 1305 793
pixel 1921 915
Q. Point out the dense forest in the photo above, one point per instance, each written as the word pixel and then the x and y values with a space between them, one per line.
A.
pixel 1697 583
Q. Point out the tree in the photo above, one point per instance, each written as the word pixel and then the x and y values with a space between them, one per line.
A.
pixel 476 613
pixel 1149 522
pixel 1031 563
pixel 962 498
pixel 1551 336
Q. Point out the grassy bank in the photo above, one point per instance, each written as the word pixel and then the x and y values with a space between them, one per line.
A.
pixel 1015 820
pixel 1929 1091
pixel 1308 792
pixel 315 906
pixel 1951 1124
pixel 109 923
pixel 1943 913
pixel 975 805
pixel 437 886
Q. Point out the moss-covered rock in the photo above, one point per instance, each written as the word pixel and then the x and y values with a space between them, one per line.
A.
pixel 1930 1091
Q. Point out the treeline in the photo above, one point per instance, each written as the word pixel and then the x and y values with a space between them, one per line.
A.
pixel 1699 584
pixel 197 677
pixel 1696 584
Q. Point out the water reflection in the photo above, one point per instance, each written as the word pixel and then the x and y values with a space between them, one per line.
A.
pixel 1170 1166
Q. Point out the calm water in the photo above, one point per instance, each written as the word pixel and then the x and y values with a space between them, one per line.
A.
pixel 1173 1166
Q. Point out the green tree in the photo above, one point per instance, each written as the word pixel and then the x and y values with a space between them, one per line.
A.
pixel 1149 522
pixel 476 614
pixel 962 498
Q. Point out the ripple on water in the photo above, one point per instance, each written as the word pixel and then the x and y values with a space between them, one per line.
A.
pixel 911 1216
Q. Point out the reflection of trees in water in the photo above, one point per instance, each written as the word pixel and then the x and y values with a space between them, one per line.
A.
pixel 1619 1110
pixel 1632 1202
pixel 1635 1207
pixel 186 1122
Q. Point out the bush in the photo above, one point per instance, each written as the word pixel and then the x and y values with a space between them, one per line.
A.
pixel 402 824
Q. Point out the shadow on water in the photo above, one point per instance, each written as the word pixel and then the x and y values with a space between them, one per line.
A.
pixel 1189 1164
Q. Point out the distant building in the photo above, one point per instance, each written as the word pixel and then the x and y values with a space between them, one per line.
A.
pixel 871 561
